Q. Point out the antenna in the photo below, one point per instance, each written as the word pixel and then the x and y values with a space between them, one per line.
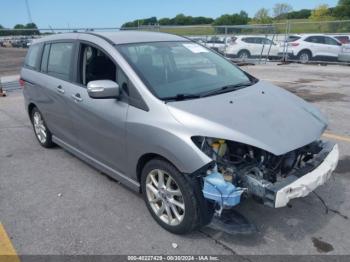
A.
pixel 28 11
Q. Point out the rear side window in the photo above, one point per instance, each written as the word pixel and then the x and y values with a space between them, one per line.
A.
pixel 32 57
pixel 247 40
pixel 251 40
pixel 59 62
pixel 315 39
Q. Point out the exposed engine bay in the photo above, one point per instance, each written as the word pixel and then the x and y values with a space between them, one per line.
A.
pixel 256 172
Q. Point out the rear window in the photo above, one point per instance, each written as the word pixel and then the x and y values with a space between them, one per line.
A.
pixel 292 38
pixel 59 63
pixel 32 56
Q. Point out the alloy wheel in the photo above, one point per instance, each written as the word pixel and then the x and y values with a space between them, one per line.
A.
pixel 165 197
pixel 304 58
pixel 39 127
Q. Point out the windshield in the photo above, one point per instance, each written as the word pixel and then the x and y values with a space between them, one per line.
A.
pixel 181 69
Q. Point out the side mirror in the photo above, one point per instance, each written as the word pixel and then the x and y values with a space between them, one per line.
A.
pixel 102 89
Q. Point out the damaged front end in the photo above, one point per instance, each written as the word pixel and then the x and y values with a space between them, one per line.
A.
pixel 239 169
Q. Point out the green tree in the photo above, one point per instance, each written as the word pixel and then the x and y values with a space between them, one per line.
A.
pixel 181 19
pixel 31 26
pixel 201 20
pixel 301 14
pixel 234 19
pixel 321 13
pixel 342 10
pixel 141 22
pixel 165 21
pixel 262 17
pixel 280 10
pixel 19 26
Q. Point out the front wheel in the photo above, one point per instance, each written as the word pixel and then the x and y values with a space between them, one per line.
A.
pixel 169 197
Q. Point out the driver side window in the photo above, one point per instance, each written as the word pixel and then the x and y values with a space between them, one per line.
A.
pixel 95 65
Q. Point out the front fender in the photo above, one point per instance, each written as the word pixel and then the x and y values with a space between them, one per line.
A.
pixel 167 139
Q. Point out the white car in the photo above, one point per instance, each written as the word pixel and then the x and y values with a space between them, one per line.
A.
pixel 344 55
pixel 218 43
pixel 311 47
pixel 244 47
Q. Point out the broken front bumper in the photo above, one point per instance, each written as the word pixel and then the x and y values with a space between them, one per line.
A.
pixel 306 179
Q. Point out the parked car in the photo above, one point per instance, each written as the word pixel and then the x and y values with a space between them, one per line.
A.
pixel 344 55
pixel 245 47
pixel 175 121
pixel 7 43
pixel 219 43
pixel 344 39
pixel 311 47
pixel 19 43
pixel 29 42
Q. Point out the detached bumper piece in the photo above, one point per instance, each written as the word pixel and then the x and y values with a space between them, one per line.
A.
pixel 303 181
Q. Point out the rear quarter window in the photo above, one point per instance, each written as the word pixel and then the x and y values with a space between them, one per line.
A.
pixel 32 57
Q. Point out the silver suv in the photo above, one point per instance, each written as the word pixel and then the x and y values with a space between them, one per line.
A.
pixel 175 121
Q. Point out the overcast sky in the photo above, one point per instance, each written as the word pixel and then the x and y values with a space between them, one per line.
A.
pixel 113 13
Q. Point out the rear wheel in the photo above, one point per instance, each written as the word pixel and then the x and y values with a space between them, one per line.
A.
pixel 41 131
pixel 304 57
pixel 169 197
pixel 243 55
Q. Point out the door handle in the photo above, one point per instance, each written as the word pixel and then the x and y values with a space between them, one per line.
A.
pixel 60 89
pixel 77 97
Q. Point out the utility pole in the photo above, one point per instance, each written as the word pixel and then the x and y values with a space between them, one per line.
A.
pixel 29 13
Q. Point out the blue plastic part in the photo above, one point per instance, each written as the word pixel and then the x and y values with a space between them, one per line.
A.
pixel 224 193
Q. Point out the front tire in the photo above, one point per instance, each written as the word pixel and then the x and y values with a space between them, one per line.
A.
pixel 169 197
pixel 42 133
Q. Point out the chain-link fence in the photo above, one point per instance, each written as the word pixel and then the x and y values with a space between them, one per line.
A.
pixel 302 41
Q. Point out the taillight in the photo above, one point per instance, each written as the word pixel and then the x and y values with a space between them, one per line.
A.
pixel 21 82
pixel 294 44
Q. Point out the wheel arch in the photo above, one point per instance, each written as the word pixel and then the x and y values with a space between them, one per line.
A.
pixel 305 50
pixel 144 159
pixel 244 50
pixel 30 108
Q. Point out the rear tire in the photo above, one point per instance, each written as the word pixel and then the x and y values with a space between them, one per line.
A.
pixel 243 55
pixel 42 133
pixel 162 185
pixel 304 57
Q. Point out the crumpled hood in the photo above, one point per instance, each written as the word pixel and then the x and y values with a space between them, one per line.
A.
pixel 262 115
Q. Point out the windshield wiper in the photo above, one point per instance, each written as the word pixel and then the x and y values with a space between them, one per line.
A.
pixel 181 97
pixel 225 89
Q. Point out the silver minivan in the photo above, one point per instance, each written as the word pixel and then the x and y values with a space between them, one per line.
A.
pixel 175 121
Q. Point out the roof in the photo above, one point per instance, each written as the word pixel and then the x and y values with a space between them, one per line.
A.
pixel 120 37
pixel 126 37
